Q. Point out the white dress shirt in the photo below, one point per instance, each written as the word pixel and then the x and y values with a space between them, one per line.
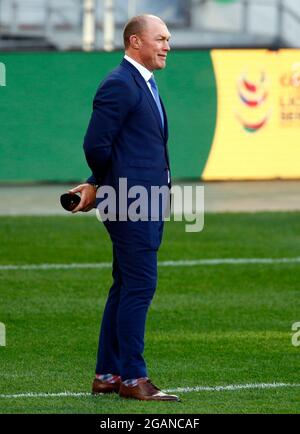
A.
pixel 145 73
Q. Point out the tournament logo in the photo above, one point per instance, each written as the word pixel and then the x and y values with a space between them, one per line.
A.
pixel 289 98
pixel 252 96
pixel 291 78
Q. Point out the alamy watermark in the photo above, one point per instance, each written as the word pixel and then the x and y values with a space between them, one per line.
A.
pixel 2 74
pixel 2 335
pixel 152 203
pixel 296 336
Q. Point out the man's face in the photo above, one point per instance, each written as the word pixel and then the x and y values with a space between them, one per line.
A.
pixel 154 46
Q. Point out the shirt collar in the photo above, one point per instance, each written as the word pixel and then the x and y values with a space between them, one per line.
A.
pixel 145 73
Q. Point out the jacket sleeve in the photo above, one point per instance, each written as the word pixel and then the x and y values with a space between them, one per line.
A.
pixel 112 103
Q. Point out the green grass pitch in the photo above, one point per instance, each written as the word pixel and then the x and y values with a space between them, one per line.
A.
pixel 208 325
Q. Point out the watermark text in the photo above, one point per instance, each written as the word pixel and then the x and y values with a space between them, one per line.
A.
pixel 152 203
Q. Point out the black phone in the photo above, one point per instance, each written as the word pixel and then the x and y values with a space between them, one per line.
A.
pixel 69 201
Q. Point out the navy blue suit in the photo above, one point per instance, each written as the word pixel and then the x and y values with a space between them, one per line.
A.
pixel 125 138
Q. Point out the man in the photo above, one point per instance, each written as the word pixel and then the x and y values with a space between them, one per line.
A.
pixel 127 138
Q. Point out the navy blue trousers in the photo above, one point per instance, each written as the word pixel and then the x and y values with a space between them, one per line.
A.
pixel 121 341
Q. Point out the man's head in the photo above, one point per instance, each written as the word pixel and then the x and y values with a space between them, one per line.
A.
pixel 146 40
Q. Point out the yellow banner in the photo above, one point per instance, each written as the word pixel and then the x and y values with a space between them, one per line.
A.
pixel 257 132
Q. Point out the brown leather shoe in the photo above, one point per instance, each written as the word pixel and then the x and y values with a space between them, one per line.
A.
pixel 105 387
pixel 145 391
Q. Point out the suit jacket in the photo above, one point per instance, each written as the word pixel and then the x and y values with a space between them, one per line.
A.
pixel 125 136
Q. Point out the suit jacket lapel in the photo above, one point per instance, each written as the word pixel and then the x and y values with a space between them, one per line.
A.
pixel 141 83
pixel 166 132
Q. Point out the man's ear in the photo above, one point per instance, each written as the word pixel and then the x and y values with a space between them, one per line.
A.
pixel 135 42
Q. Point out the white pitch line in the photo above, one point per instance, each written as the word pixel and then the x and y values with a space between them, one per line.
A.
pixel 230 387
pixel 179 263
pixel 220 261
pixel 46 395
pixel 55 266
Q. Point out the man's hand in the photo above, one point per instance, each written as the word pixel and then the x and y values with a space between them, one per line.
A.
pixel 88 197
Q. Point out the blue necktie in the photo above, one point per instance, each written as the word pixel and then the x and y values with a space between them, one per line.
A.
pixel 156 98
